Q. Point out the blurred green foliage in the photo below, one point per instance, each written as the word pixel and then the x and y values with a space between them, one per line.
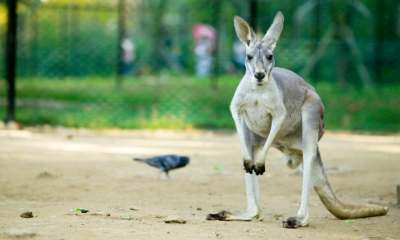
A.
pixel 179 102
pixel 60 38
pixel 62 44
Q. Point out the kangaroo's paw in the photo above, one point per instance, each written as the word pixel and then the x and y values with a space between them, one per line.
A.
pixel 248 166
pixel 294 222
pixel 235 215
pixel 259 168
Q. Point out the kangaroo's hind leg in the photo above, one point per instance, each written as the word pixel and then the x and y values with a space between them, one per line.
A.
pixel 254 144
pixel 311 121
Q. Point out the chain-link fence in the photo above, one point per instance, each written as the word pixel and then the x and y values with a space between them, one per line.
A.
pixel 133 63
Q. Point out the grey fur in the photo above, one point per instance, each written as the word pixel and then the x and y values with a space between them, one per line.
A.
pixel 281 110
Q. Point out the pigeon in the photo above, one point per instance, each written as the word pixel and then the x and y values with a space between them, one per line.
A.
pixel 165 163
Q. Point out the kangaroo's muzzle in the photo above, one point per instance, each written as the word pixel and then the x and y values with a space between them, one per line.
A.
pixel 259 76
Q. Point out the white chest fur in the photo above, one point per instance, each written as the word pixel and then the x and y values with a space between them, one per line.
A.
pixel 258 115
pixel 259 105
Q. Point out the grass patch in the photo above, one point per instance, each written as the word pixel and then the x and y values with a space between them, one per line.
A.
pixel 178 102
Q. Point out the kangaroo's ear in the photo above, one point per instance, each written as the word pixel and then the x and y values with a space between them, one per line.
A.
pixel 244 31
pixel 274 31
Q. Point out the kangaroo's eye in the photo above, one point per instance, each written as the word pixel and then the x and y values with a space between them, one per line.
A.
pixel 249 57
pixel 269 57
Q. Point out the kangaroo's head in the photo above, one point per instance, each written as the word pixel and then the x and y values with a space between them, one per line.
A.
pixel 260 56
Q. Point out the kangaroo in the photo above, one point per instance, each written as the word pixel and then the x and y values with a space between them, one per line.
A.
pixel 274 107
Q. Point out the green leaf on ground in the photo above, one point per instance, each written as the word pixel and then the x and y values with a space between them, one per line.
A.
pixel 78 209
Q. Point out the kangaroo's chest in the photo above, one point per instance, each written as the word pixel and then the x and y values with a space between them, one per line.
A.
pixel 258 115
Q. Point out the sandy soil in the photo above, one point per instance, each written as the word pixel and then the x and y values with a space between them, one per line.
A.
pixel 95 171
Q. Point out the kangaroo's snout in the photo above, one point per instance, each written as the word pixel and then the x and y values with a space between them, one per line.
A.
pixel 259 75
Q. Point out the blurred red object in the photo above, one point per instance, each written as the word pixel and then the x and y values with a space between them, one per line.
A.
pixel 201 30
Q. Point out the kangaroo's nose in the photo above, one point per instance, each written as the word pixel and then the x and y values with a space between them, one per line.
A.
pixel 259 75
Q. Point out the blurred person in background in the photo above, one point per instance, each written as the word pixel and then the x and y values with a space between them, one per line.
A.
pixel 128 55
pixel 205 36
pixel 203 51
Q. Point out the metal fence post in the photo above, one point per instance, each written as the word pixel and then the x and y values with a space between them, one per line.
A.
pixel 10 58
pixel 398 194
pixel 316 38
pixel 253 15
pixel 121 36
pixel 217 48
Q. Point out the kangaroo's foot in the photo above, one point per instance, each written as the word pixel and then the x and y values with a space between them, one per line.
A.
pixel 235 215
pixel 297 221
pixel 290 223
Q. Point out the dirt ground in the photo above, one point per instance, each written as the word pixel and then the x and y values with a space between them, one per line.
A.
pixel 94 170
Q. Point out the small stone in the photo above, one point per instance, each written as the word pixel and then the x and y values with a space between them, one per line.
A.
pixel 133 208
pixel 174 219
pixel 27 215
pixel 97 213
pixel 325 216
pixel 44 175
pixel 374 237
pixel 84 211
pixel 108 214
pixel 299 236
pixel 199 209
pixel 15 232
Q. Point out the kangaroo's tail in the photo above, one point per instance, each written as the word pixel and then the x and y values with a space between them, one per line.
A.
pixel 337 208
